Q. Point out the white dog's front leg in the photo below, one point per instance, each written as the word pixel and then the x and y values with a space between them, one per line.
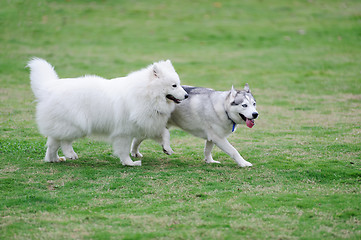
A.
pixel 232 152
pixel 52 151
pixel 121 148
pixel 208 152
pixel 68 150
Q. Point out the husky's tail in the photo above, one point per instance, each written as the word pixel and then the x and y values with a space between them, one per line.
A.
pixel 40 72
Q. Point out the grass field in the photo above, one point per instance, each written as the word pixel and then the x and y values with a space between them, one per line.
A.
pixel 302 60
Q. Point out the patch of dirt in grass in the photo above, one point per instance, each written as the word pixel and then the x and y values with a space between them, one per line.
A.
pixel 9 169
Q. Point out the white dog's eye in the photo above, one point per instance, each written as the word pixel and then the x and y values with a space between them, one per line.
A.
pixel 244 105
pixel 254 104
pixel 174 85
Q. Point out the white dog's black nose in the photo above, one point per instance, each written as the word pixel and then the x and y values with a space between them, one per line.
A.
pixel 255 115
pixel 186 96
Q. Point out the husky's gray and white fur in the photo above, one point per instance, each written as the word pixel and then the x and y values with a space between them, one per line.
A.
pixel 213 116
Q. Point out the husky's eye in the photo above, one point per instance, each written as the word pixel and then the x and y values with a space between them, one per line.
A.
pixel 254 104
pixel 244 105
pixel 174 85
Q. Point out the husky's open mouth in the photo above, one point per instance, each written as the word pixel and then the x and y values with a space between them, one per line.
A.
pixel 171 97
pixel 249 122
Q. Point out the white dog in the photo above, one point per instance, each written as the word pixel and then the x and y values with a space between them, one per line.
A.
pixel 138 105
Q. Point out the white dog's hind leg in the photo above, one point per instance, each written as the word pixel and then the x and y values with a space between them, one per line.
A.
pixel 232 152
pixel 121 149
pixel 135 147
pixel 208 152
pixel 67 148
pixel 52 151
pixel 165 141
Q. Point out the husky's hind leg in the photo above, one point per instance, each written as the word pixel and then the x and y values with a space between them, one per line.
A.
pixel 208 152
pixel 165 142
pixel 68 150
pixel 121 146
pixel 52 151
pixel 134 151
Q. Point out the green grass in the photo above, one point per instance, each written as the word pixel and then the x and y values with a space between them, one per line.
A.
pixel 302 61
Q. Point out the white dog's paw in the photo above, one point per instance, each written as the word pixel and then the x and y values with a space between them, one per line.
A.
pixel 168 150
pixel 131 163
pixel 136 154
pixel 210 160
pixel 55 160
pixel 137 163
pixel 245 164
pixel 71 156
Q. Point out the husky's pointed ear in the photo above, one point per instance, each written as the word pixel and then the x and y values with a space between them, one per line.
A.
pixel 246 88
pixel 233 92
pixel 156 71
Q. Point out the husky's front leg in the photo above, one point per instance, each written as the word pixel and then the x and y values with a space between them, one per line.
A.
pixel 121 146
pixel 223 144
pixel 208 152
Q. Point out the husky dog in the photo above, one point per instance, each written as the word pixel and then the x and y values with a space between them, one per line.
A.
pixel 138 105
pixel 213 116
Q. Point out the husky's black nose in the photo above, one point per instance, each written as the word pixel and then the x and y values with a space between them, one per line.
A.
pixel 186 96
pixel 255 115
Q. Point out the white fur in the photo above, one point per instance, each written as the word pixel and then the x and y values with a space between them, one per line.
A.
pixel 118 109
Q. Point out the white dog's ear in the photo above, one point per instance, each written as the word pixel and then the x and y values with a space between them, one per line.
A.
pixel 246 88
pixel 169 63
pixel 156 71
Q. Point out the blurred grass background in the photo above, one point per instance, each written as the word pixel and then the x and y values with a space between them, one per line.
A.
pixel 302 61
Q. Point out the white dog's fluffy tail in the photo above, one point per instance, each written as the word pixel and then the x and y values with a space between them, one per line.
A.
pixel 40 72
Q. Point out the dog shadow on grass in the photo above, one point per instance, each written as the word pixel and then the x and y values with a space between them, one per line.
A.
pixel 110 162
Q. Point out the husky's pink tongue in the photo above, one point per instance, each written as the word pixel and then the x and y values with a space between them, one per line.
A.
pixel 250 123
